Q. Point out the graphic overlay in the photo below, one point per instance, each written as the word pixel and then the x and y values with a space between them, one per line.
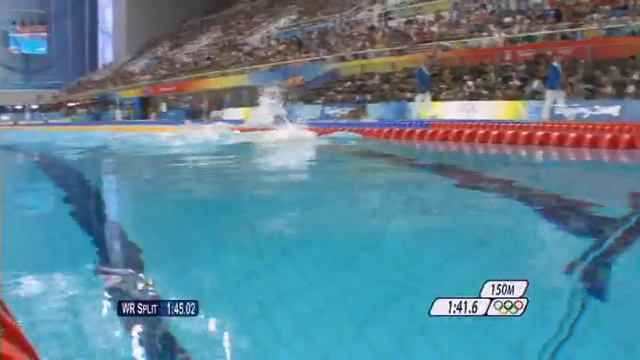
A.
pixel 505 289
pixel 459 307
pixel 158 308
pixel 497 298
pixel 508 307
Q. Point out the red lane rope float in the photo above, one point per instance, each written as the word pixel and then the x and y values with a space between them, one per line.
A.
pixel 410 134
pixel 511 137
pixel 431 134
pixel 249 129
pixel 574 140
pixel 482 136
pixel 14 345
pixel 469 135
pixel 496 137
pixel 622 136
pixel 536 154
pixel 397 134
pixel 541 138
pixel 557 139
pixel 591 141
pixel 456 135
pixel 618 127
pixel 627 142
pixel 421 135
pixel 525 138
pixel 443 135
pixel 610 141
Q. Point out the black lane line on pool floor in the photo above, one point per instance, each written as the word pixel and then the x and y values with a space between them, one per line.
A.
pixel 120 262
pixel 613 236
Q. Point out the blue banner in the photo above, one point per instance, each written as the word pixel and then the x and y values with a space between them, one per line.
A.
pixel 303 113
pixel 388 111
pixel 174 114
pixel 343 112
pixel 597 110
pixel 518 111
pixel 308 70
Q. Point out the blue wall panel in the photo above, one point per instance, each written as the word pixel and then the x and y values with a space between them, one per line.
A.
pixel 71 42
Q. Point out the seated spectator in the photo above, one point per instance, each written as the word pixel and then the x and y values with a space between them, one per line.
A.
pixel 250 34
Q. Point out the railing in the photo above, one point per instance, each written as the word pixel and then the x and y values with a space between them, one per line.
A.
pixel 427 6
pixel 303 23
pixel 216 16
pixel 371 53
pixel 581 33
pixel 424 7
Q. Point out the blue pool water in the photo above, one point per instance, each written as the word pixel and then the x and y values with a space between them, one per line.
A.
pixel 315 249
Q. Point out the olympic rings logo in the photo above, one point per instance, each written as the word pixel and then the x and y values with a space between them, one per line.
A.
pixel 508 307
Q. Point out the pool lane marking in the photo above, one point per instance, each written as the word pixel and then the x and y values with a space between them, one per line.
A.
pixel 570 215
pixel 567 325
pixel 121 281
pixel 626 230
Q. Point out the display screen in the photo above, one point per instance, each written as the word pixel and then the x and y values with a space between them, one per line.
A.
pixel 29 39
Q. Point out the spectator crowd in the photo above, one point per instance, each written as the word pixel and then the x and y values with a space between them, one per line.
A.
pixel 507 81
pixel 270 31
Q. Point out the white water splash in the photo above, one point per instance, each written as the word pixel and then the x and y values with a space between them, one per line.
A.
pixel 226 344
pixel 270 110
pixel 293 156
pixel 137 351
pixel 212 325
pixel 106 304
pixel 27 286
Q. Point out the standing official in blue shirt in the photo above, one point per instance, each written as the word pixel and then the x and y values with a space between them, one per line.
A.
pixel 555 93
pixel 423 88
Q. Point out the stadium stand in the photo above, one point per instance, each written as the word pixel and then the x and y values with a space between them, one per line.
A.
pixel 265 32
pixel 508 81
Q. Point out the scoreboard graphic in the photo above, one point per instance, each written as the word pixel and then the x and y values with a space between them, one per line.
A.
pixel 504 298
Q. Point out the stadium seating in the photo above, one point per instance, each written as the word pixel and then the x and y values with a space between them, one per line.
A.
pixel 262 32
pixel 607 79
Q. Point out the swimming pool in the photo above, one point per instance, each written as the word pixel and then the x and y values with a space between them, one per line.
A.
pixel 319 248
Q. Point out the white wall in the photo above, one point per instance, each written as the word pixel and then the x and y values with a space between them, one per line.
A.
pixel 119 30
pixel 136 22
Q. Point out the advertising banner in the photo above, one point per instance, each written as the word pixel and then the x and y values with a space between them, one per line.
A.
pixel 596 110
pixel 174 114
pixel 343 112
pixel 222 82
pixel 474 110
pixel 304 113
pixel 305 70
pixel 236 113
pixel 129 93
pixel 162 89
pixel 598 48
pixel 388 111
